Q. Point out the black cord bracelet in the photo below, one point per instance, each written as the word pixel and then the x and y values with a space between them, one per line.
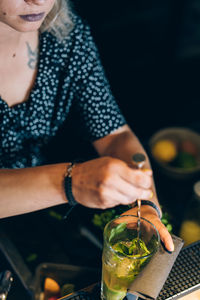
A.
pixel 150 203
pixel 68 189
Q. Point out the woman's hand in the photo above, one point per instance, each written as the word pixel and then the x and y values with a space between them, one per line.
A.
pixel 106 182
pixel 151 215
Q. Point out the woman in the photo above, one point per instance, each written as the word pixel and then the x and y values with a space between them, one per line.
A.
pixel 49 64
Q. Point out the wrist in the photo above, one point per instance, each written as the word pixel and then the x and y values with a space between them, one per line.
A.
pixel 145 210
pixel 150 204
pixel 154 199
pixel 68 184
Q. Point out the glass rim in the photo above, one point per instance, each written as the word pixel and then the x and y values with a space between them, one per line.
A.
pixel 124 255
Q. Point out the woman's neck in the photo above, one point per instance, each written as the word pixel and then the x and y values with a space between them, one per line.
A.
pixel 12 41
pixel 18 64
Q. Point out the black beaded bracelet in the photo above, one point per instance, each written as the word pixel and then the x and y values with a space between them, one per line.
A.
pixel 150 203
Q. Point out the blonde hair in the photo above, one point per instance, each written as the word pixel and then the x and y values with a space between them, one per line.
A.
pixel 58 21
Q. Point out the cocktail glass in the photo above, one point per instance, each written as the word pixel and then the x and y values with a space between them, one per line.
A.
pixel 124 255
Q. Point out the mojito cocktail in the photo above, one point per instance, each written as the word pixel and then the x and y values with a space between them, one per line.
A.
pixel 124 255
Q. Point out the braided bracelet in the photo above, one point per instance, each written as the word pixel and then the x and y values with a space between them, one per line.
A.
pixel 68 185
pixel 68 189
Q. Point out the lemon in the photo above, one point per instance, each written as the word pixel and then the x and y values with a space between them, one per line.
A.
pixel 51 288
pixel 164 150
pixel 190 232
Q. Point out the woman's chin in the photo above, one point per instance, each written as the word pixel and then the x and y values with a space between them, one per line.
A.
pixel 26 26
pixel 30 29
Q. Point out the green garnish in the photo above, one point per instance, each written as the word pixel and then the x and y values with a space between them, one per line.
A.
pixel 134 248
pixel 55 215
pixel 101 219
pixel 31 257
pixel 117 230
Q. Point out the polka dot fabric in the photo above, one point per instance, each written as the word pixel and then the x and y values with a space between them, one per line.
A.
pixel 69 73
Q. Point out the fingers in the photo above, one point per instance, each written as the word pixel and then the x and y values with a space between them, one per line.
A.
pixel 139 178
pixel 132 192
pixel 116 191
pixel 165 236
pixel 112 197
pixel 125 193
pixel 107 182
pixel 166 239
pixel 124 185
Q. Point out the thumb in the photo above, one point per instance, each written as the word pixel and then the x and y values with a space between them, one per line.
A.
pixel 166 239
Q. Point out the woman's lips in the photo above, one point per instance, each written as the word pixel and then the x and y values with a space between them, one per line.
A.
pixel 32 17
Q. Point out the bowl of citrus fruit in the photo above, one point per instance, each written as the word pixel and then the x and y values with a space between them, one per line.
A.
pixel 176 151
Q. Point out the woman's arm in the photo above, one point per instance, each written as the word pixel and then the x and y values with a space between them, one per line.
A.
pixel 99 183
pixel 31 189
pixel 123 144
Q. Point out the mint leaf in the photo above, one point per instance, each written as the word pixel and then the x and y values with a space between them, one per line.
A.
pixel 121 248
pixel 117 230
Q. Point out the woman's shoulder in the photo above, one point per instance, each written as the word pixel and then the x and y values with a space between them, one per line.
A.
pixel 70 52
pixel 81 27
